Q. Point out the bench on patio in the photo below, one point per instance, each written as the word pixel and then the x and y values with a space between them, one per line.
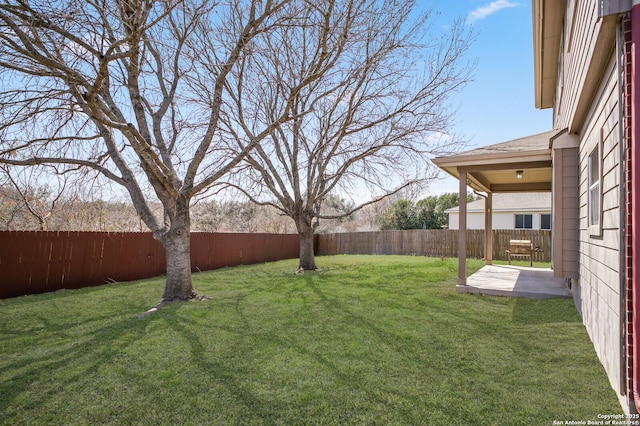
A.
pixel 520 249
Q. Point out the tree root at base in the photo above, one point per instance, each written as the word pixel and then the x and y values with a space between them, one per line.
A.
pixel 301 270
pixel 194 296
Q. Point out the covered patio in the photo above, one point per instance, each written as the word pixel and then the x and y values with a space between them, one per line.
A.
pixel 520 165
pixel 516 281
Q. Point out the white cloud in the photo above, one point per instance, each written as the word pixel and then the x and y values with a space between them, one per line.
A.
pixel 493 7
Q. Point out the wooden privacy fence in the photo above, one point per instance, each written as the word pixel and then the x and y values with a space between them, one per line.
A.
pixel 38 262
pixel 432 242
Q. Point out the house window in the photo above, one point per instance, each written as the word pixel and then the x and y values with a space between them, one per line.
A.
pixel 595 192
pixel 524 221
pixel 545 221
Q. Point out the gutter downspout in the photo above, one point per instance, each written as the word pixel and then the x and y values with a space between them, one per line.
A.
pixel 634 166
pixel 626 332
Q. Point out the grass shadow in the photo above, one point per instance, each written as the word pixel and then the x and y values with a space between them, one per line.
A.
pixel 53 365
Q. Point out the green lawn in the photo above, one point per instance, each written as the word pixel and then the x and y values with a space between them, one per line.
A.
pixel 524 263
pixel 366 340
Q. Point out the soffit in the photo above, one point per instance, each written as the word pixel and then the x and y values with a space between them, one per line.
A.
pixel 548 18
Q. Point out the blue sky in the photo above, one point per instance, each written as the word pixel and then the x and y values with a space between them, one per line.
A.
pixel 499 104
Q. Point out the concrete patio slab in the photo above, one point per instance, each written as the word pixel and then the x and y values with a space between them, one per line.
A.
pixel 515 281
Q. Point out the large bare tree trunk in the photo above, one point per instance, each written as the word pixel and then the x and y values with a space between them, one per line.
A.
pixel 307 254
pixel 178 285
pixel 176 244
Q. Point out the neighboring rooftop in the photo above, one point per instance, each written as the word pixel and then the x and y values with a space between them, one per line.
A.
pixel 515 201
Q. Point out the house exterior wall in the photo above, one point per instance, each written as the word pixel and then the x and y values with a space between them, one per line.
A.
pixel 577 50
pixel 565 207
pixel 501 220
pixel 597 291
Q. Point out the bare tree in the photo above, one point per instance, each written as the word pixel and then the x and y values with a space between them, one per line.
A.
pixel 85 210
pixel 39 199
pixel 375 110
pixel 132 90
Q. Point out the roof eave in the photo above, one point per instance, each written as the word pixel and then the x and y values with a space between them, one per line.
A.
pixel 547 33
pixel 493 158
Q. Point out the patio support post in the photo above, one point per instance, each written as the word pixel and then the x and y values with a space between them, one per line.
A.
pixel 488 229
pixel 462 231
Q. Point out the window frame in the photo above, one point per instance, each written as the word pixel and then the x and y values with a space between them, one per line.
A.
pixel 542 222
pixel 524 221
pixel 594 189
